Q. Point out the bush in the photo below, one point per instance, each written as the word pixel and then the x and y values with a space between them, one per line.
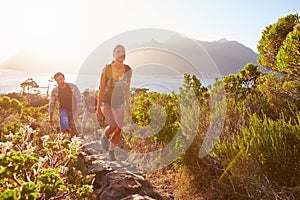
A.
pixel 155 118
pixel 263 159
pixel 34 166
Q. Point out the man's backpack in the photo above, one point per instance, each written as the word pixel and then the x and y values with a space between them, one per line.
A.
pixel 91 104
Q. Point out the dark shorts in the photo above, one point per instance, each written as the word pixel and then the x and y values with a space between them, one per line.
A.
pixel 66 120
pixel 114 105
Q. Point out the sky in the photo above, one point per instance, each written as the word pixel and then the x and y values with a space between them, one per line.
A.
pixel 69 30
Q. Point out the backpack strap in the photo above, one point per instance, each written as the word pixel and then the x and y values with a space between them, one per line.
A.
pixel 127 68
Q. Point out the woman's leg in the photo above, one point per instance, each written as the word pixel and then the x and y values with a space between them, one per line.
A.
pixel 108 113
pixel 118 115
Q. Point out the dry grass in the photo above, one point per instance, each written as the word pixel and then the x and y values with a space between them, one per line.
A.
pixel 183 184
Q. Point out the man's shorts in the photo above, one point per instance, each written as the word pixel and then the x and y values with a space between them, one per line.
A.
pixel 66 120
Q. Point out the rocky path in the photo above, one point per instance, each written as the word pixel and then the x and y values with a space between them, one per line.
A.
pixel 113 179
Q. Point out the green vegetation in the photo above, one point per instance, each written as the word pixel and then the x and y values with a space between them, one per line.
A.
pixel 256 156
pixel 257 153
pixel 36 162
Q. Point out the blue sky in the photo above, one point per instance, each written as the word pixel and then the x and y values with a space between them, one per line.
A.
pixel 72 29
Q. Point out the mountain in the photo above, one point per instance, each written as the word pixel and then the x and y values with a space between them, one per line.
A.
pixel 229 56
pixel 172 57
pixel 178 55
pixel 33 62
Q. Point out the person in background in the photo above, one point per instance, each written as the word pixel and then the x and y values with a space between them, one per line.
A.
pixel 90 103
pixel 67 95
pixel 113 98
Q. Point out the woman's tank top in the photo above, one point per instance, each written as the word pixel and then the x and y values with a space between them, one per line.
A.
pixel 114 92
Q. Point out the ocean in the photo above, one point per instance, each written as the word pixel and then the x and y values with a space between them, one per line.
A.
pixel 11 80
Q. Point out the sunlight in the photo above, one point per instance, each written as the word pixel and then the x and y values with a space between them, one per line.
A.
pixel 39 27
pixel 7 52
pixel 56 30
pixel 39 22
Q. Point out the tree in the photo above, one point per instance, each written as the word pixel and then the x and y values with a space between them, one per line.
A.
pixel 249 75
pixel 272 39
pixel 279 51
pixel 28 84
pixel 288 57
pixel 238 85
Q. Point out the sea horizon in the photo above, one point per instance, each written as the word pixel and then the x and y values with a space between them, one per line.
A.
pixel 11 80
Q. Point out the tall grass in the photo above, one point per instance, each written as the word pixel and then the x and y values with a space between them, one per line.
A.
pixel 263 159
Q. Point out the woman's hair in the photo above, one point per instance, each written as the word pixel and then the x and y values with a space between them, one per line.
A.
pixel 117 46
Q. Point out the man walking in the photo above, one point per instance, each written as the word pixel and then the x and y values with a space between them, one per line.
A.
pixel 67 94
pixel 90 103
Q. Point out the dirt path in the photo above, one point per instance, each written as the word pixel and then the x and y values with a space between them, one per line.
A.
pixel 120 179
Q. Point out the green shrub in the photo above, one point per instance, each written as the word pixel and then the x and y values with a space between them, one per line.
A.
pixel 264 158
pixel 155 117
pixel 34 166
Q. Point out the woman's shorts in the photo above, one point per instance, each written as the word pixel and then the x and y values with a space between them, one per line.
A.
pixel 114 104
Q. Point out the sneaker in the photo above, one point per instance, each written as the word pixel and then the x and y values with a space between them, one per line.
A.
pixel 104 142
pixel 111 155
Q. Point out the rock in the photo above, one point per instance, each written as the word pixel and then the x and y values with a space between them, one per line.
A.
pixel 122 185
pixel 99 178
pixel 137 197
pixel 114 180
pixel 94 145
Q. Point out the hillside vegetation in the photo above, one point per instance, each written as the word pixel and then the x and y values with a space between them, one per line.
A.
pixel 255 156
